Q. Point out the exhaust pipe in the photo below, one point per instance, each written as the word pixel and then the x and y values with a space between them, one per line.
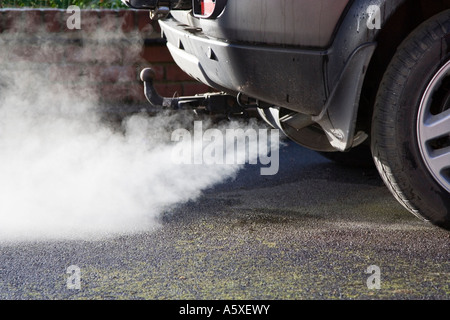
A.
pixel 211 103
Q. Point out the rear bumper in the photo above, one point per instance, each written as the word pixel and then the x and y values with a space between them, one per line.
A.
pixel 323 83
pixel 290 78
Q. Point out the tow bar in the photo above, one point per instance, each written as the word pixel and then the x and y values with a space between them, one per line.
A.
pixel 217 103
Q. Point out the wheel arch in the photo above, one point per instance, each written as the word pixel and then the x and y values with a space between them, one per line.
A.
pixel 403 20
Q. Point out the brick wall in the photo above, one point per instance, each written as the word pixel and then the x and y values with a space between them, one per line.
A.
pixel 107 53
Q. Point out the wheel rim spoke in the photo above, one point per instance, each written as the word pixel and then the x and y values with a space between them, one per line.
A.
pixel 440 160
pixel 437 126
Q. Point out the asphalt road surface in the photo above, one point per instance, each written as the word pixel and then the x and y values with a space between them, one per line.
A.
pixel 310 232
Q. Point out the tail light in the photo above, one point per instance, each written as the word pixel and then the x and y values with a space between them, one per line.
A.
pixel 208 8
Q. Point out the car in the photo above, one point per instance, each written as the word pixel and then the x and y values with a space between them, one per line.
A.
pixel 360 81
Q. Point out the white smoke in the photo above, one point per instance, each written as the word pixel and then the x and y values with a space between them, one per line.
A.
pixel 66 174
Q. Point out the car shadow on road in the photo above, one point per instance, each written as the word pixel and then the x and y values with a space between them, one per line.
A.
pixel 297 164
pixel 308 189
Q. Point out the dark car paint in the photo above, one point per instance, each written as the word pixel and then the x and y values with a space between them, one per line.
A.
pixel 321 78
pixel 299 56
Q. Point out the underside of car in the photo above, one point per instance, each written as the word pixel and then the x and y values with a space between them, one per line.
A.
pixel 352 79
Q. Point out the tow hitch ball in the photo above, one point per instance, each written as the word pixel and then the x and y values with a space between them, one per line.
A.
pixel 217 103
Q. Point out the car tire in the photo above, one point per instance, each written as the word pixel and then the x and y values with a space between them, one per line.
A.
pixel 411 123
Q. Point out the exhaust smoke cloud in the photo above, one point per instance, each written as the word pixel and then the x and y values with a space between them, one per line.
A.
pixel 66 174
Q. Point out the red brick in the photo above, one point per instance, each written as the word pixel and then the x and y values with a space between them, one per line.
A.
pixel 159 72
pixel 122 93
pixel 126 20
pixel 79 54
pixel 136 93
pixel 169 89
pixel 143 21
pixel 66 73
pixel 98 54
pixel 53 20
pixel 90 73
pixel 108 20
pixel 191 89
pixel 52 53
pixel 105 54
pixel 117 74
pixel 174 73
pixel 89 21
pixel 33 20
pixel 156 27
pixel 19 53
pixel 156 53
pixel 132 55
pixel 110 92
pixel 12 21
pixel 89 92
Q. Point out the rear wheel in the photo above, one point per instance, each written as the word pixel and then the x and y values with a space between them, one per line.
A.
pixel 411 123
